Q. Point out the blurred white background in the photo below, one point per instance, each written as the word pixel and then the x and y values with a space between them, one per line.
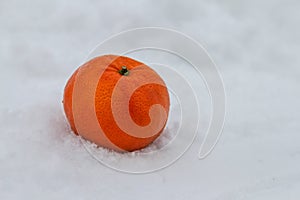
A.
pixel 255 45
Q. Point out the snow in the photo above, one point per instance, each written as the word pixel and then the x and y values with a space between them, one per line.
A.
pixel 255 45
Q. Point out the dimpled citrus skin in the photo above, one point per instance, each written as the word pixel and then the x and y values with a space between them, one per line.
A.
pixel 139 104
pixel 68 101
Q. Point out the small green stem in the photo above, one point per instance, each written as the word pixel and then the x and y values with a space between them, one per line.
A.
pixel 124 71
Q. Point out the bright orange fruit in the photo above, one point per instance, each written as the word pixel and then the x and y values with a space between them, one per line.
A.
pixel 116 102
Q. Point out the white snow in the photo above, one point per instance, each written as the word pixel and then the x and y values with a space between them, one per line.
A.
pixel 255 45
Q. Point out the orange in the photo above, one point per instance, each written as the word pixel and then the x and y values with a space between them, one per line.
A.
pixel 116 102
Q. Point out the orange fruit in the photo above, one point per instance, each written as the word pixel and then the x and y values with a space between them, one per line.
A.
pixel 116 102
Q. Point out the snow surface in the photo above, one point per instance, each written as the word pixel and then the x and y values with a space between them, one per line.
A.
pixel 255 45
